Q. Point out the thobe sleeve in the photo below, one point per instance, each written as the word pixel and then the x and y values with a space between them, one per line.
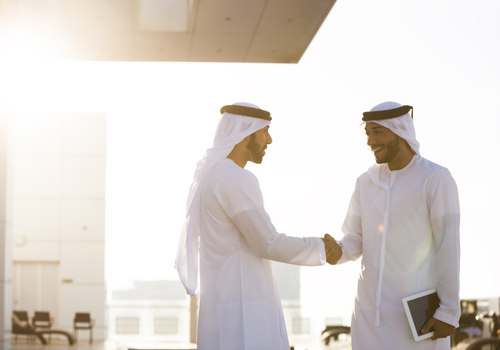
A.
pixel 444 214
pixel 352 242
pixel 241 199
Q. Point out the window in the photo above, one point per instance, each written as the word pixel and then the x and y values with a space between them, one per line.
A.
pixel 166 325
pixel 127 325
pixel 36 287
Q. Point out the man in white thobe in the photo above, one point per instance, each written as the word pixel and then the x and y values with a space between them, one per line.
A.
pixel 239 302
pixel 403 220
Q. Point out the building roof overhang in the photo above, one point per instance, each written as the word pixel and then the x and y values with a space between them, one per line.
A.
pixel 267 31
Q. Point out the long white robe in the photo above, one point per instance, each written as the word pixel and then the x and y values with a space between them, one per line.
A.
pixel 239 302
pixel 405 225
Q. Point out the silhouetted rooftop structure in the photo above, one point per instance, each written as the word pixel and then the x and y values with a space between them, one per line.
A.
pixel 272 31
pixel 152 290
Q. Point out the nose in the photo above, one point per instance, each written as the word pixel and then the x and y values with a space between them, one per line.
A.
pixel 269 139
pixel 370 141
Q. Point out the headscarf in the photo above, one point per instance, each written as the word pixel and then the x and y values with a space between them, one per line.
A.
pixel 232 129
pixel 401 126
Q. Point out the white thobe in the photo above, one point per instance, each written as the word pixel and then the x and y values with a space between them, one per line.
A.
pixel 405 225
pixel 239 302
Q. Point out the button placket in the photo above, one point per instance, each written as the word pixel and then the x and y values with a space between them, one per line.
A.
pixel 382 250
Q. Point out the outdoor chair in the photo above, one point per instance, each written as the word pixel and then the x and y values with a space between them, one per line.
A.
pixel 23 319
pixel 479 344
pixel 19 327
pixel 334 332
pixel 82 320
pixel 42 320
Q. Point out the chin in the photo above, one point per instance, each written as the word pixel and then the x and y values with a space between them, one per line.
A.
pixel 257 158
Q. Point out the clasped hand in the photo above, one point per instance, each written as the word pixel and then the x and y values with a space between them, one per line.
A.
pixel 333 249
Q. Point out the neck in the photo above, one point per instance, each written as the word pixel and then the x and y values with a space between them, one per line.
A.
pixel 238 159
pixel 403 158
pixel 240 153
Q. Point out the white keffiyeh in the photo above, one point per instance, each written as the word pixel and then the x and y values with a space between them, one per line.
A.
pixel 401 126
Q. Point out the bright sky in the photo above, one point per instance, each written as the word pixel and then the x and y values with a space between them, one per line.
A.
pixel 441 56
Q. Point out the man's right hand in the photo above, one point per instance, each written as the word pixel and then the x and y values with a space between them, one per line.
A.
pixel 333 249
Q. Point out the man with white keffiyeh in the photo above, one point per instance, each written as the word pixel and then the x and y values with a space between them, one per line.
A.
pixel 227 226
pixel 403 220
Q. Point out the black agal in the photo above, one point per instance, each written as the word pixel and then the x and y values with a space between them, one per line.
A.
pixel 387 114
pixel 246 111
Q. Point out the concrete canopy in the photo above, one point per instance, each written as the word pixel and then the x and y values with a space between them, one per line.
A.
pixel 268 31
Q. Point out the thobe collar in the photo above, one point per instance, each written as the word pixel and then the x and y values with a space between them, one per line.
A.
pixel 376 170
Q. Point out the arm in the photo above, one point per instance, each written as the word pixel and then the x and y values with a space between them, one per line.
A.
pixel 352 242
pixel 241 199
pixel 444 213
pixel 267 243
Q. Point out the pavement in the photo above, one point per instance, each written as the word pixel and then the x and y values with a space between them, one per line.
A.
pixel 22 343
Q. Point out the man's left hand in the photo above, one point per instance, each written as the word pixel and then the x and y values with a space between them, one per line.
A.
pixel 441 329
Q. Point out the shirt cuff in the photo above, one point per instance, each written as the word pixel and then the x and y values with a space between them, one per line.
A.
pixel 321 250
pixel 444 317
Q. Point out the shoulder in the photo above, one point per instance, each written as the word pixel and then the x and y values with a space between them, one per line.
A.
pixel 235 177
pixel 238 190
pixel 433 171
pixel 436 178
pixel 372 171
pixel 366 175
pixel 440 188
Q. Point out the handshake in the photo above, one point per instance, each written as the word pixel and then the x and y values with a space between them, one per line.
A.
pixel 332 248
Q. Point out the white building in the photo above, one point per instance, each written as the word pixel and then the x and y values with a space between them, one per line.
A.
pixel 151 311
pixel 6 186
pixel 159 311
pixel 58 217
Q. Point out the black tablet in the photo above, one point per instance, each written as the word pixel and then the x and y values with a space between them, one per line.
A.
pixel 419 309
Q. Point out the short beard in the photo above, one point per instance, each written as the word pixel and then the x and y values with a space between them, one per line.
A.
pixel 393 149
pixel 256 151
